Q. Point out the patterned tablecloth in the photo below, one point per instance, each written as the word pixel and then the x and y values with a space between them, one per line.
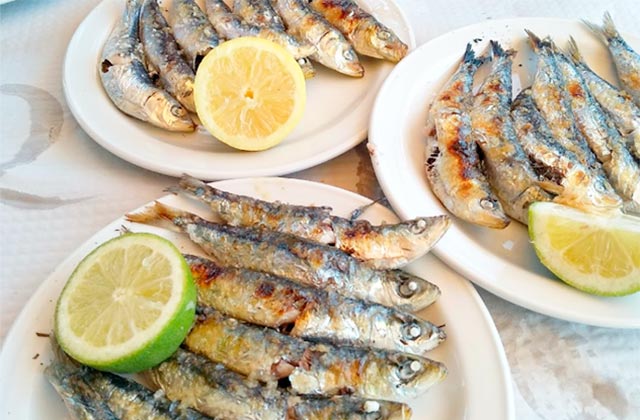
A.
pixel 58 187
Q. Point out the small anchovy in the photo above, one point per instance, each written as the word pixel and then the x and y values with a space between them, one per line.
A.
pixel 312 369
pixel 126 81
pixel 573 183
pixel 452 160
pixel 626 60
pixel 550 97
pixel 260 13
pixel 192 30
pixel 307 312
pixel 332 49
pixel 92 394
pixel 619 105
pixel 506 165
pixel 225 395
pixel 603 139
pixel 367 35
pixel 296 258
pixel 383 246
pixel 162 55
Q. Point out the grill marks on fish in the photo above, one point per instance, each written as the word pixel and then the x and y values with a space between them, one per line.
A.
pixel 332 49
pixel 453 164
pixel 506 165
pixel 368 36
pixel 305 261
pixel 218 392
pixel 383 246
pixel 309 313
pixel 127 83
pixel 192 30
pixel 312 369
pixel 163 57
pixel 626 60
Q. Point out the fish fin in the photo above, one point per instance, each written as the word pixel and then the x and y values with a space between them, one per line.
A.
pixel 498 51
pixel 608 27
pixel 597 30
pixel 156 213
pixel 550 187
pixel 573 52
pixel 534 40
pixel 190 185
pixel 469 57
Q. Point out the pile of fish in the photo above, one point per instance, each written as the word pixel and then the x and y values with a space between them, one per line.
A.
pixel 571 137
pixel 301 314
pixel 148 62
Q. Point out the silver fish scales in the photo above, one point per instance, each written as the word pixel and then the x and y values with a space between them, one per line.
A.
pixel 292 257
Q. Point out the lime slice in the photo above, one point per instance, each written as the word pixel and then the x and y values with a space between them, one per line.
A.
pixel 595 253
pixel 250 93
pixel 128 305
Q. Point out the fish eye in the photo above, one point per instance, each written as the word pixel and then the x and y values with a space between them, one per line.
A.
pixel 418 226
pixel 411 331
pixel 408 287
pixel 488 204
pixel 384 35
pixel 177 111
pixel 409 369
pixel 348 54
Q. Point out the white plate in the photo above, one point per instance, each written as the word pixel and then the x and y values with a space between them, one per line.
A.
pixel 502 262
pixel 336 116
pixel 478 385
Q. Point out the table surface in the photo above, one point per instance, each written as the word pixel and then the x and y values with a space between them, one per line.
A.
pixel 62 187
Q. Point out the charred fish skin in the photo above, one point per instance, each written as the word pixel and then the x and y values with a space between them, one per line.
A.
pixel 346 408
pixel 312 369
pixel 127 83
pixel 332 48
pixel 452 161
pixel 573 183
pixel 301 260
pixel 259 13
pixel 192 30
pixel 366 33
pixel 618 104
pixel 382 247
pixel 214 390
pixel 552 100
pixel 162 54
pixel 309 313
pixel 626 60
pixel 112 396
pixel 507 166
pixel 603 139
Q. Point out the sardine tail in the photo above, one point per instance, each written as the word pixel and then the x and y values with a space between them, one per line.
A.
pixel 534 40
pixel 608 27
pixel 470 58
pixel 191 185
pixel 155 214
pixel 597 30
pixel 498 51
pixel 573 52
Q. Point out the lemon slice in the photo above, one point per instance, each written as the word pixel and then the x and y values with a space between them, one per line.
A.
pixel 128 305
pixel 594 253
pixel 249 93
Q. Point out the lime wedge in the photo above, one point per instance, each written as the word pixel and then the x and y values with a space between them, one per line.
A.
pixel 128 305
pixel 595 253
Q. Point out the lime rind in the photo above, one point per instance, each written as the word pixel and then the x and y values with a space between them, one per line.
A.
pixel 541 212
pixel 149 347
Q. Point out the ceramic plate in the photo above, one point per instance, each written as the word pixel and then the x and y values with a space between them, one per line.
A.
pixel 478 386
pixel 335 120
pixel 502 262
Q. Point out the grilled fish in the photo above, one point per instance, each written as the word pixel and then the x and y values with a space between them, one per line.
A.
pixel 383 246
pixel 506 165
pixel 230 25
pixel 307 312
pixel 367 35
pixel 225 395
pixel 192 30
pixel 332 49
pixel 573 183
pixel 619 105
pixel 302 260
pixel 552 100
pixel 127 83
pixel 92 394
pixel 603 139
pixel 312 369
pixel 259 13
pixel 163 57
pixel 452 160
pixel 626 60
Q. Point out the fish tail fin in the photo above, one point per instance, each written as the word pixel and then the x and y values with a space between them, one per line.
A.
pixel 608 27
pixel 190 185
pixel 597 30
pixel 498 51
pixel 534 40
pixel 573 52
pixel 470 58
pixel 157 213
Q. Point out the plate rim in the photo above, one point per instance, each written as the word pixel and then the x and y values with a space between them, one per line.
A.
pixel 11 345
pixel 444 252
pixel 211 172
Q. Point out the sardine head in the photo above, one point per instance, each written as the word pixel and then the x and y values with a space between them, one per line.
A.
pixel 415 374
pixel 385 44
pixel 344 57
pixel 164 111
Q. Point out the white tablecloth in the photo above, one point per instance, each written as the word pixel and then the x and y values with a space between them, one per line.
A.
pixel 58 187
